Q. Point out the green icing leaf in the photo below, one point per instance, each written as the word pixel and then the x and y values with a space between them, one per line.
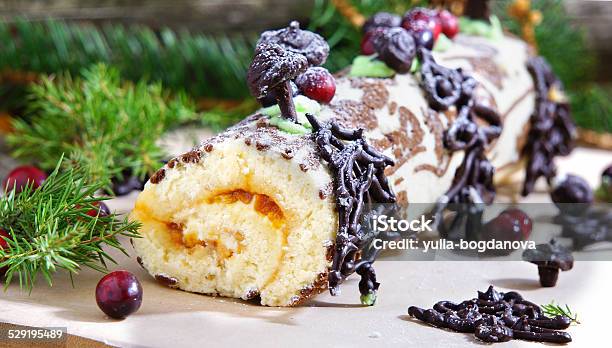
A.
pixel 369 299
pixel 416 66
pixel 288 126
pixel 368 66
pixel 442 44
pixel 303 106
pixel 492 30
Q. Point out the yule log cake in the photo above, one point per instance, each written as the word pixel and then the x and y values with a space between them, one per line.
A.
pixel 270 208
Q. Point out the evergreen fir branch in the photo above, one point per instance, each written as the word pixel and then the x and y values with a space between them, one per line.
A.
pixel 106 126
pixel 202 65
pixel 50 229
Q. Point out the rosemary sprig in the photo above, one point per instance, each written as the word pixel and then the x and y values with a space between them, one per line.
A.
pixel 50 229
pixel 552 310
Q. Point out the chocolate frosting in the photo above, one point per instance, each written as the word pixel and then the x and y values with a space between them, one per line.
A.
pixel 473 183
pixel 552 131
pixel 359 180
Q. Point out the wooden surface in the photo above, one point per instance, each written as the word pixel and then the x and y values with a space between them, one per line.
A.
pixel 200 15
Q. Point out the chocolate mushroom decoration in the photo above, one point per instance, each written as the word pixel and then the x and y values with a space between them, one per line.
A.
pixel 304 42
pixel 572 195
pixel 396 47
pixel 272 69
pixel 382 20
pixel 550 258
pixel 592 226
pixel 496 317
pixel 359 182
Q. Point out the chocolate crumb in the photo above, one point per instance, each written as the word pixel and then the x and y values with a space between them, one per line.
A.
pixel 304 167
pixel 208 147
pixel 261 146
pixel 139 260
pixel 172 163
pixel 287 154
pixel 191 157
pixel 251 294
pixel 392 108
pixel 158 176
pixel 170 282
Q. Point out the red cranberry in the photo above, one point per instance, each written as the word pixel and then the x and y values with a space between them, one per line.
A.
pixel 119 294
pixel 418 17
pixel 3 245
pixel 3 242
pixel 100 208
pixel 504 228
pixel 367 42
pixel 19 177
pixel 424 38
pixel 318 84
pixel 449 23
pixel 522 219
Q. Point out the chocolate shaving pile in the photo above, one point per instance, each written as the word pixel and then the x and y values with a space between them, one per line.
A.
pixel 473 184
pixel 359 180
pixel 496 317
pixel 552 131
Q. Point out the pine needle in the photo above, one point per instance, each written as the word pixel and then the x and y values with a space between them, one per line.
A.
pixel 50 229
pixel 552 310
pixel 106 126
pixel 202 65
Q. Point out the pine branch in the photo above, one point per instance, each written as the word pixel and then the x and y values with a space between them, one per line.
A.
pixel 202 65
pixel 106 126
pixel 50 229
